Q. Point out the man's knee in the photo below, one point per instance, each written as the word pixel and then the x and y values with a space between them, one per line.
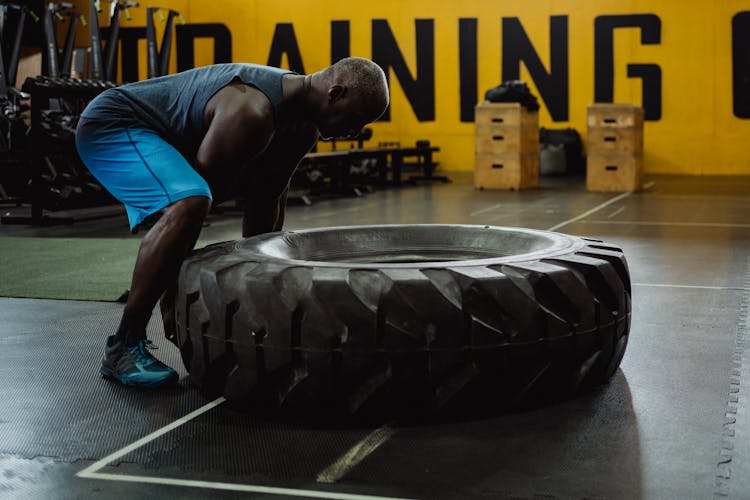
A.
pixel 193 207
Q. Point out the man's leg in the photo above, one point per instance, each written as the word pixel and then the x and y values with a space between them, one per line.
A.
pixel 127 357
pixel 146 174
pixel 160 256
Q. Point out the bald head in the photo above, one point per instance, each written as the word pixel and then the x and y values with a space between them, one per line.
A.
pixel 348 95
pixel 365 78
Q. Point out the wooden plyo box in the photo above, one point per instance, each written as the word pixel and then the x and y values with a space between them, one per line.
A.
pixel 506 171
pixel 612 172
pixel 510 114
pixel 505 139
pixel 609 115
pixel 506 146
pixel 614 128
pixel 613 140
pixel 614 147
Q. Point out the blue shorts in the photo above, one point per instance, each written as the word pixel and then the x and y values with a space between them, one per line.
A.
pixel 138 167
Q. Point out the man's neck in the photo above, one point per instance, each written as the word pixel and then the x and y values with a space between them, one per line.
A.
pixel 296 91
pixel 295 108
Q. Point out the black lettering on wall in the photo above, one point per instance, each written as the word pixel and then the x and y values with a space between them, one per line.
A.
pixel 604 65
pixel 741 64
pixel 420 91
pixel 185 36
pixel 285 42
pixel 552 86
pixel 650 75
pixel 340 40
pixel 185 43
pixel 467 64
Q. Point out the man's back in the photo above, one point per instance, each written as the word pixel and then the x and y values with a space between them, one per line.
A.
pixel 173 105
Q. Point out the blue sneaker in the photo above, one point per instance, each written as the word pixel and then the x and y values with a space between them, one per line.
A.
pixel 135 366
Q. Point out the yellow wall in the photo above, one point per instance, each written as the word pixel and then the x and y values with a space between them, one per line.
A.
pixel 697 133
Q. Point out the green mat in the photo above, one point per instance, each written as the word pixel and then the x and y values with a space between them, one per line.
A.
pixel 67 268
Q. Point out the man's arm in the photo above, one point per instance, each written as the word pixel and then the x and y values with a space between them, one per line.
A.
pixel 240 128
pixel 263 215
pixel 264 201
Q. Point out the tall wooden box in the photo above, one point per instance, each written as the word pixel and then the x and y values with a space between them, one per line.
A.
pixel 611 115
pixel 614 128
pixel 606 140
pixel 506 146
pixel 506 171
pixel 614 172
pixel 614 147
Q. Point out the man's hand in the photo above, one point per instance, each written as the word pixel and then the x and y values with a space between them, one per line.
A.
pixel 264 216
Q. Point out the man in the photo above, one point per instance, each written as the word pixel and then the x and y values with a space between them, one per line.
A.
pixel 179 142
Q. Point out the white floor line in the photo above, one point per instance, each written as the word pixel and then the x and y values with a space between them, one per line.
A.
pixel 321 215
pixel 488 209
pixel 675 224
pixel 367 446
pixel 698 197
pixel 248 488
pixel 355 455
pixel 616 212
pixel 589 212
pixel 91 469
pixel 331 213
pixel 699 287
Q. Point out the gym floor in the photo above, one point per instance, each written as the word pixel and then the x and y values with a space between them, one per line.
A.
pixel 672 423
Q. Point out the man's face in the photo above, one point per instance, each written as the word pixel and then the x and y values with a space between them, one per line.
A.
pixel 344 116
pixel 347 124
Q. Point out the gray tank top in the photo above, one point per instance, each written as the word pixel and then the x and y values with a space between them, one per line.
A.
pixel 173 105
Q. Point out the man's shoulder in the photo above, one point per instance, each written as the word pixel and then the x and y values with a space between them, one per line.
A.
pixel 243 113
pixel 260 68
pixel 243 102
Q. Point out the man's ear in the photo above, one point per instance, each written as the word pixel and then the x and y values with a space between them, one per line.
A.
pixel 336 92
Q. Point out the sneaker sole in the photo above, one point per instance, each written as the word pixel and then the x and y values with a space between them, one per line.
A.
pixel 110 375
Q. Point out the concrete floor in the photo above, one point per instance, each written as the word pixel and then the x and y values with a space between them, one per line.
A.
pixel 672 423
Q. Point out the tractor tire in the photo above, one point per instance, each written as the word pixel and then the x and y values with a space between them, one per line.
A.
pixel 402 319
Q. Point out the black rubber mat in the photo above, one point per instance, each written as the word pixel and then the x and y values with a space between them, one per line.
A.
pixel 55 404
pixel 233 444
